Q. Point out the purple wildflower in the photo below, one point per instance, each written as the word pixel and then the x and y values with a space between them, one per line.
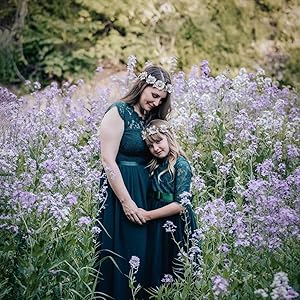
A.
pixel 198 234
pixel 84 221
pixel 48 180
pixel 185 198
pixel 220 285
pixel 205 68
pixel 134 262
pixel 278 150
pixel 293 151
pixel 224 248
pixel 71 199
pixel 198 183
pixel 96 230
pixel 281 288
pixel 169 226
pixel 265 168
pixel 168 278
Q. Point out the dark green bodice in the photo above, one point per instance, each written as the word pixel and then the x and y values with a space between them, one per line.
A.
pixel 132 146
pixel 180 184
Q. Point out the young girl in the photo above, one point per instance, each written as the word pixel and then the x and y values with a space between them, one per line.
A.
pixel 170 183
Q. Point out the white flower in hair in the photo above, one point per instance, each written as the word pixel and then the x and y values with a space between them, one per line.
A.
pixel 163 128
pixel 150 79
pixel 159 85
pixel 154 130
pixel 169 88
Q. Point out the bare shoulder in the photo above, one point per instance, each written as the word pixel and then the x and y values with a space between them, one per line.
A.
pixel 112 124
pixel 112 116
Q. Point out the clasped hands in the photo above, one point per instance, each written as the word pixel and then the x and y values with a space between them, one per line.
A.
pixel 134 213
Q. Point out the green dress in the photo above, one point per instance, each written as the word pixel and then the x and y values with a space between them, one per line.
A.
pixel 162 250
pixel 121 236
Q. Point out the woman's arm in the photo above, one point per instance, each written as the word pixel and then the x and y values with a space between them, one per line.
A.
pixel 111 132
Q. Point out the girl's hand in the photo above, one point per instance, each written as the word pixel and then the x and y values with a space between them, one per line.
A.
pixel 145 213
pixel 133 213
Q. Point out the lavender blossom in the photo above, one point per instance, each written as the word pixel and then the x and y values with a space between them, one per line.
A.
pixel 198 183
pixel 293 151
pixel 134 263
pixel 281 288
pixel 96 230
pixel 220 286
pixel 169 226
pixel 224 248
pixel 84 221
pixel 168 278
pixel 205 68
pixel 185 198
pixel 71 199
pixel 265 169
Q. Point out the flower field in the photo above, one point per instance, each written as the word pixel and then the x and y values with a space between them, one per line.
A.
pixel 242 138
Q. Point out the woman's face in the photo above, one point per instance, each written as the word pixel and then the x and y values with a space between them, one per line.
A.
pixel 151 97
pixel 160 147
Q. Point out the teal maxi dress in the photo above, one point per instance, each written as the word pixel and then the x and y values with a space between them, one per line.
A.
pixel 122 237
pixel 162 250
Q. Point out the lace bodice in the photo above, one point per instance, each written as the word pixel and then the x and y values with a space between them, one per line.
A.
pixel 181 182
pixel 132 147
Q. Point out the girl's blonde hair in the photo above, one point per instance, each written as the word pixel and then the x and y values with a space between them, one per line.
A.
pixel 154 132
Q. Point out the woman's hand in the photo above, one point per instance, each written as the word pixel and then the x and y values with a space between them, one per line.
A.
pixel 133 213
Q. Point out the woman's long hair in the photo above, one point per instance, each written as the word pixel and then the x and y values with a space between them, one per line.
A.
pixel 133 96
pixel 162 127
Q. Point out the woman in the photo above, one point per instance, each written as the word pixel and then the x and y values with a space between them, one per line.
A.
pixel 124 158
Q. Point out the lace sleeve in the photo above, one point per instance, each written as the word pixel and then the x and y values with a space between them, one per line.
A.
pixel 183 179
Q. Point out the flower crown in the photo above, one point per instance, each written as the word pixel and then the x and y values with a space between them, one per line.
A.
pixel 154 130
pixel 157 83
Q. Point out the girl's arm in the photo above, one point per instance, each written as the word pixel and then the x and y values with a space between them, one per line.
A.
pixel 171 209
pixel 183 176
pixel 111 132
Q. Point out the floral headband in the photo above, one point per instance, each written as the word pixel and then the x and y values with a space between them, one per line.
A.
pixel 159 84
pixel 154 130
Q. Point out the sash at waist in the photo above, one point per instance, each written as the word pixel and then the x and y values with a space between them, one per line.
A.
pixel 129 163
pixel 162 196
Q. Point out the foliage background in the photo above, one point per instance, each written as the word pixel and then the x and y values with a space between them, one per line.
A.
pixel 65 40
pixel 240 132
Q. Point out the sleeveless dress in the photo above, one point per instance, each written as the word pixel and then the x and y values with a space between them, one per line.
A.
pixel 162 250
pixel 122 237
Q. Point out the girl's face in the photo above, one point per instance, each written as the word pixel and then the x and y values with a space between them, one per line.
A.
pixel 160 147
pixel 151 97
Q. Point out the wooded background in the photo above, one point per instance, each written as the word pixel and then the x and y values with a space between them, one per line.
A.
pixel 67 40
